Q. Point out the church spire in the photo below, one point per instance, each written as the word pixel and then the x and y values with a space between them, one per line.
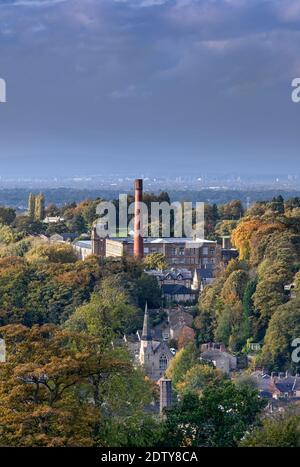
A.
pixel 146 335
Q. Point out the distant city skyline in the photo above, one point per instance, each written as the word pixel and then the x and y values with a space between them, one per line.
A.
pixel 154 87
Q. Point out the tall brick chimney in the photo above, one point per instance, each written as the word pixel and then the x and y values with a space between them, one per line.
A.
pixel 138 248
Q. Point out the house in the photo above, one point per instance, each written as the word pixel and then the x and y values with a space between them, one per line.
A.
pixel 83 249
pixel 289 290
pixel 175 284
pixel 177 293
pixel 172 276
pixel 53 220
pixel 216 354
pixel 179 321
pixel 277 386
pixel 202 278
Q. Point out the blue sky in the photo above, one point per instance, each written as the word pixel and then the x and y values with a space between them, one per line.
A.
pixel 149 86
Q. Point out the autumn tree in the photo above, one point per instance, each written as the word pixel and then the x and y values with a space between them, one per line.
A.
pixel 31 206
pixel 39 208
pixel 39 387
pixel 155 261
pixel 53 253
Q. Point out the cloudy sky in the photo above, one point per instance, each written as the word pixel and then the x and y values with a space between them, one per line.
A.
pixel 149 86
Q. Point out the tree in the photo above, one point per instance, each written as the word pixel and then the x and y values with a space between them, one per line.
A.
pixel 39 405
pixel 53 253
pixel 183 361
pixel 218 418
pixel 283 328
pixel 198 378
pixel 31 206
pixel 6 234
pixel 225 227
pixel 282 431
pixel 39 209
pixel 25 225
pixel 269 294
pixel 62 388
pixel 7 215
pixel 155 261
pixel 148 290
pixel 232 210
pixel 110 308
pixel 277 205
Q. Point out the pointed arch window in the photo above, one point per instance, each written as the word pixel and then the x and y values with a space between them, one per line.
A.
pixel 163 362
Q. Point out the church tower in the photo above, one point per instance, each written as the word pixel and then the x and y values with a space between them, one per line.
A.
pixel 154 355
pixel 146 342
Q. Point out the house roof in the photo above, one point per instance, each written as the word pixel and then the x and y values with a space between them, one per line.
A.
pixel 171 273
pixel 265 383
pixel 87 244
pixel 179 318
pixel 288 384
pixel 205 273
pixel 189 242
pixel 64 236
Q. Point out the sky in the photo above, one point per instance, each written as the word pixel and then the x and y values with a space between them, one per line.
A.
pixel 161 87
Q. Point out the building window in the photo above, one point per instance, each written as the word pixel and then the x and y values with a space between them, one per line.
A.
pixel 163 362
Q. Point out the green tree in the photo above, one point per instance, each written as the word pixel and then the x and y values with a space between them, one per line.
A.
pixel 110 308
pixel 7 215
pixel 218 418
pixel 283 328
pixel 280 432
pixel 198 378
pixel 184 360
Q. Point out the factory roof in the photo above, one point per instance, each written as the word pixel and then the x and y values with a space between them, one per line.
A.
pixel 163 240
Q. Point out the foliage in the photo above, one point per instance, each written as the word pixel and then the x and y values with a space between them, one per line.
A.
pixel 155 261
pixel 52 253
pixel 218 418
pixel 281 432
pixel 198 378
pixel 111 308
pixel 283 328
pixel 183 361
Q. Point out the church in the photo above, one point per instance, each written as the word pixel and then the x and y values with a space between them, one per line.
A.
pixel 154 356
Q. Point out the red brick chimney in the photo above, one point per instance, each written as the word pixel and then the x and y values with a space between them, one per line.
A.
pixel 138 248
